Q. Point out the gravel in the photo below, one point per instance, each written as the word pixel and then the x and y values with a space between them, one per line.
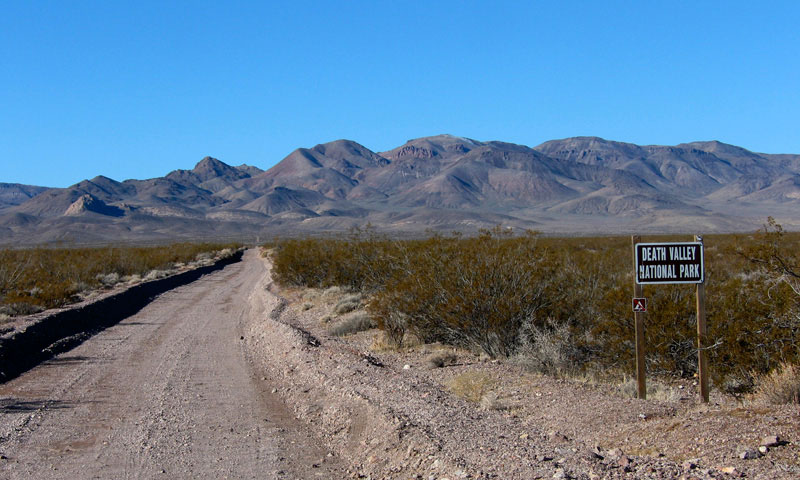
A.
pixel 392 416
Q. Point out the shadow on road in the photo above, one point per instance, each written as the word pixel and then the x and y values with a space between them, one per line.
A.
pixel 12 405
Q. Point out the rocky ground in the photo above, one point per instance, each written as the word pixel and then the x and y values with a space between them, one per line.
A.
pixel 431 412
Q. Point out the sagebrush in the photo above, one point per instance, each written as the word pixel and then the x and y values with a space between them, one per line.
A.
pixel 40 278
pixel 566 302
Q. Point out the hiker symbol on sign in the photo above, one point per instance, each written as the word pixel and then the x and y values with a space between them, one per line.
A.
pixel 639 305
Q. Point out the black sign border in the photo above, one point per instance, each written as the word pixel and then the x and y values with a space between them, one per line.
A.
pixel 669 282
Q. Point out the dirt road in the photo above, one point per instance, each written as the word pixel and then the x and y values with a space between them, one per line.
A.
pixel 166 393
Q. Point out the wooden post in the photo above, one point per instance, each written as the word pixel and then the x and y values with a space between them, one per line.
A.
pixel 638 318
pixel 702 362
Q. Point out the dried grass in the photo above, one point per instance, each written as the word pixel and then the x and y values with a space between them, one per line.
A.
pixel 656 390
pixel 781 386
pixel 471 386
pixel 359 322
pixel 348 304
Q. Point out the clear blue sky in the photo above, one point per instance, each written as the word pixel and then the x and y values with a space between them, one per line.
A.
pixel 136 89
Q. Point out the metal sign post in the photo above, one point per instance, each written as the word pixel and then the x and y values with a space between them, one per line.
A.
pixel 665 263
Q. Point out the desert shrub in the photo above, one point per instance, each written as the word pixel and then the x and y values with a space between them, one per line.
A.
pixel 394 325
pixel 155 275
pixel 348 304
pixel 472 385
pixel 781 386
pixel 332 293
pixel 491 401
pixel 362 261
pixel 564 303
pixel 550 348
pixel 52 277
pixel 21 308
pixel 108 279
pixel 440 359
pixel 204 256
pixel 472 293
pixel 737 384
pixel 358 322
pixel 131 279
pixel 768 329
pixel 749 317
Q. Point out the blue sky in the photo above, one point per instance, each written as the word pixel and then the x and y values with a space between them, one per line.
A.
pixel 136 89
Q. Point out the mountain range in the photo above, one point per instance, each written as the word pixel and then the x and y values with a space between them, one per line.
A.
pixel 579 185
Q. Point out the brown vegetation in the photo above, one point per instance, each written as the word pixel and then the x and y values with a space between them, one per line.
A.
pixel 564 304
pixel 35 279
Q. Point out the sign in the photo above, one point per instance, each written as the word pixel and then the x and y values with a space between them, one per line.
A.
pixel 639 305
pixel 669 262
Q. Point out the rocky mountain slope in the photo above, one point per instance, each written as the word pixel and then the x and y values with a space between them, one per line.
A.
pixel 574 185
pixel 14 193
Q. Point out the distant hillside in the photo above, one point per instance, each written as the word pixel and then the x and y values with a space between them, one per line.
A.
pixel 14 194
pixel 574 185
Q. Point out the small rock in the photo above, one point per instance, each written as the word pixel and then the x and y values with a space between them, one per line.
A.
pixel 689 465
pixel 560 473
pixel 3 457
pixel 406 367
pixel 524 436
pixel 763 449
pixel 771 441
pixel 274 390
pixel 461 474
pixel 614 453
pixel 643 416
pixel 624 461
pixel 593 455
pixel 241 338
pixel 728 470
pixel 749 454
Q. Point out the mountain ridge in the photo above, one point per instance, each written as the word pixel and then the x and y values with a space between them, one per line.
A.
pixel 443 182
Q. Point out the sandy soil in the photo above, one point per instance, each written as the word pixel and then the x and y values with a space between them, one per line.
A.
pixel 166 393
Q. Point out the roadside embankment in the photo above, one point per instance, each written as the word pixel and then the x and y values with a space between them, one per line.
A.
pixel 389 419
pixel 41 336
pixel 398 413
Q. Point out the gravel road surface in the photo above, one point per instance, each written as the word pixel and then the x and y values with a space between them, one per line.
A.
pixel 166 393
